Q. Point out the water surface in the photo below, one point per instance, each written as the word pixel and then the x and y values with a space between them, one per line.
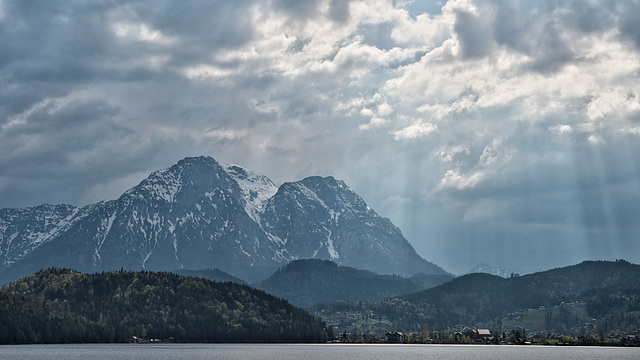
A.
pixel 311 352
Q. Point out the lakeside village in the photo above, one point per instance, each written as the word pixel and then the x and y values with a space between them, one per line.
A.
pixel 357 327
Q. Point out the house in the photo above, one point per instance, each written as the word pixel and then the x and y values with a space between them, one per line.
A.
pixel 470 333
pixel 484 334
pixel 629 339
pixel 457 336
pixel 394 337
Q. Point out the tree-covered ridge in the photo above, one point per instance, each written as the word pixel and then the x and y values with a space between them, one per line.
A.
pixel 210 274
pixel 606 291
pixel 309 281
pixel 28 319
pixel 58 305
pixel 484 296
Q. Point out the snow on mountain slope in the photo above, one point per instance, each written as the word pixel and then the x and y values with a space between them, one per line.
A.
pixel 256 188
pixel 22 230
pixel 323 218
pixel 199 214
pixel 485 268
pixel 192 215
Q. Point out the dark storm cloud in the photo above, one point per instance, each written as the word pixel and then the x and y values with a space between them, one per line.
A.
pixel 202 27
pixel 473 34
pixel 60 57
pixel 493 126
pixel 629 25
pixel 37 61
pixel 544 30
pixel 209 23
pixel 44 145
pixel 339 11
pixel 74 42
pixel 534 31
pixel 298 9
pixel 61 41
pixel 519 26
pixel 588 16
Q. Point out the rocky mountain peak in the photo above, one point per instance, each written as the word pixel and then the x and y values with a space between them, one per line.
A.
pixel 199 214
pixel 188 180
pixel 337 195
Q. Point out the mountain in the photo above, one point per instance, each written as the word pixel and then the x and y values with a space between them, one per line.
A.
pixel 484 268
pixel 256 189
pixel 23 230
pixel 62 306
pixel 199 214
pixel 535 289
pixel 483 297
pixel 305 282
pixel 596 295
pixel 191 215
pixel 322 218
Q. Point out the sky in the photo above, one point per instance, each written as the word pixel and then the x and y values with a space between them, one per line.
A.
pixel 504 132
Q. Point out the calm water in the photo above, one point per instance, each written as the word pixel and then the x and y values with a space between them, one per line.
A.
pixel 312 352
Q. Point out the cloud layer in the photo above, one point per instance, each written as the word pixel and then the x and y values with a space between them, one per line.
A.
pixel 488 131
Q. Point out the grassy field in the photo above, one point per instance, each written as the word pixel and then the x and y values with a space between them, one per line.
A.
pixel 532 319
pixel 535 319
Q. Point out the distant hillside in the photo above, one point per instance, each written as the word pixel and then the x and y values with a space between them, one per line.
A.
pixel 608 292
pixel 62 306
pixel 479 297
pixel 305 282
pixel 427 281
pixel 531 290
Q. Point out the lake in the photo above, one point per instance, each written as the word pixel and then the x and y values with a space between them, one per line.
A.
pixel 312 352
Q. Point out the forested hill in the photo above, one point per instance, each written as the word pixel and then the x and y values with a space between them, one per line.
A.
pixel 61 306
pixel 308 281
pixel 482 297
pixel 483 291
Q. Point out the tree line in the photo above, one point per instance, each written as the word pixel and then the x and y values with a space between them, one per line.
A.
pixel 609 291
pixel 64 306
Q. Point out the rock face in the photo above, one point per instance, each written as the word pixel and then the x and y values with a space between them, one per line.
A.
pixel 199 214
pixel 323 218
